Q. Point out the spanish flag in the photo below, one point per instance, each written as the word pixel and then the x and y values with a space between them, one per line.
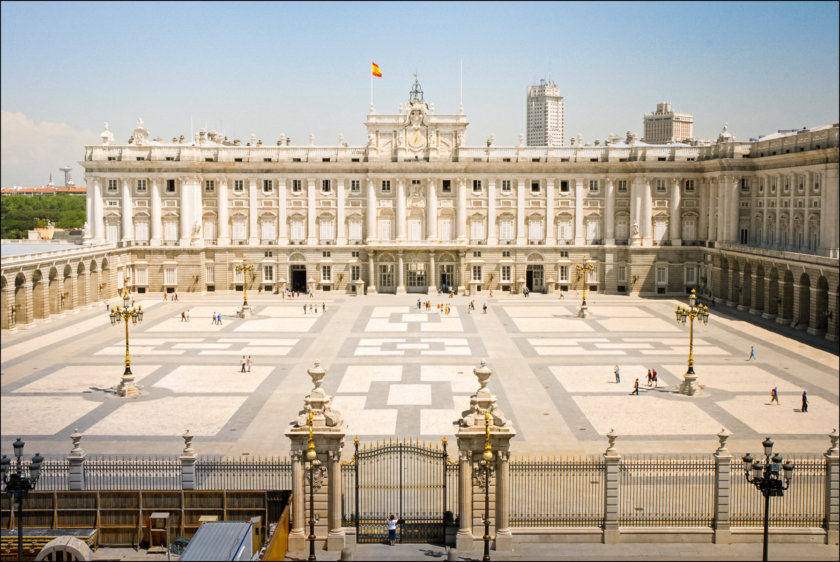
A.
pixel 374 69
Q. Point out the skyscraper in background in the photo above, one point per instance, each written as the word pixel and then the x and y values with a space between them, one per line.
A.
pixel 666 126
pixel 545 115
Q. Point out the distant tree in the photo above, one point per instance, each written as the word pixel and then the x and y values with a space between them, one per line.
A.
pixel 20 213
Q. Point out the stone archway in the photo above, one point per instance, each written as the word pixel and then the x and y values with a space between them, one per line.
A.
pixel 5 313
pixel 758 299
pixel 66 297
pixel 93 283
pixel 723 282
pixel 773 300
pixel 804 302
pixel 65 548
pixel 39 298
pixel 20 310
pixel 787 297
pixel 104 280
pixel 745 302
pixel 821 307
pixel 52 292
pixel 81 286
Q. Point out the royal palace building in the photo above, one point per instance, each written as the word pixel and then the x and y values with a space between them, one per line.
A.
pixel 748 224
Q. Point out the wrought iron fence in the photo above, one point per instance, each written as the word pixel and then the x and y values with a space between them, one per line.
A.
pixel 453 472
pixel 262 473
pixel 557 493
pixel 133 473
pixel 656 492
pixel 803 503
pixel 348 494
pixel 55 474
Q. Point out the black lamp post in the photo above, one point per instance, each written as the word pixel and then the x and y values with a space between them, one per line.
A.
pixel 768 480
pixel 312 457
pixel 135 314
pixel 486 463
pixel 18 486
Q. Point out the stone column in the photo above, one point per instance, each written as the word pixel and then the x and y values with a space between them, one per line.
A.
pixel 89 209
pixel 780 311
pixel 461 282
pixel 401 237
pixel 156 226
pixel 431 212
pixel 675 213
pixel 484 432
pixel 253 211
pixel 828 212
pixel 609 222
pixel 320 429
pixel 341 228
pixel 646 222
pixel 76 460
pixel 550 229
pixel 580 235
pixel 814 313
pixel 635 212
pixel 127 213
pixel 722 206
pixel 371 217
pixel 184 211
pixel 831 325
pixel 612 460
pixel 713 209
pixel 188 458
pixel 223 218
pixel 769 304
pixel 832 491
pixel 520 212
pixel 754 284
pixel 492 233
pixel 400 273
pixel 431 280
pixel 702 188
pixel 282 227
pixel 371 272
pixel 98 225
pixel 461 211
pixel 723 489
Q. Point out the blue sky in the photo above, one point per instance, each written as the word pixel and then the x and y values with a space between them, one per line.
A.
pixel 300 67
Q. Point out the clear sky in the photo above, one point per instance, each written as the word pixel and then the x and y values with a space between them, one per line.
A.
pixel 299 67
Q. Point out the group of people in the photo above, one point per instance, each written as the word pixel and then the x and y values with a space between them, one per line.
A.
pixel 217 318
pixel 445 308
pixel 295 294
pixel 185 315
pixel 323 308
pixel 174 296
pixel 652 379
pixel 246 364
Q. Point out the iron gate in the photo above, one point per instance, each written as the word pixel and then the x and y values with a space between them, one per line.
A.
pixel 407 479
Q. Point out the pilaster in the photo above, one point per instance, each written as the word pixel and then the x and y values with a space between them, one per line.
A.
pixel 341 227
pixel 223 228
pixel 76 460
pixel 156 226
pixel 400 204
pixel 550 230
pixel 431 214
pixel 371 218
pixel 492 232
pixel 609 223
pixel 612 460
pixel 675 213
pixel 723 490
pixel 580 235
pixel 127 212
pixel 253 227
pixel 832 491
pixel 282 226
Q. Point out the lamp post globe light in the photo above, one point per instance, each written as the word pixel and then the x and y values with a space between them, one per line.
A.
pixel 486 463
pixel 701 312
pixel 768 479
pixel 583 269
pixel 135 314
pixel 17 485
pixel 312 459
pixel 245 268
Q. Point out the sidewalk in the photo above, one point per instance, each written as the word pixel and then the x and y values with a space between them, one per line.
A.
pixel 583 551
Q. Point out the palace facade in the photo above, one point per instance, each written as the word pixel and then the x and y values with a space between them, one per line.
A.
pixel 749 224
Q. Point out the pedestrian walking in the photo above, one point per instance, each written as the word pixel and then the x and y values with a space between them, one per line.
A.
pixel 132 302
pixel 188 315
pixel 774 396
pixel 323 307
pixel 617 375
pixel 107 307
pixel 392 529
pixel 248 364
pixel 316 309
pixel 752 353
pixel 636 388
pixel 804 402
pixel 418 304
pixel 304 309
pixel 176 296
pixel 164 295
pixel 562 296
pixel 310 308
pixel 183 316
pixel 484 308
pixel 649 377
pixel 220 319
pixel 491 293
pixel 242 363
pixel 655 380
pixel 214 318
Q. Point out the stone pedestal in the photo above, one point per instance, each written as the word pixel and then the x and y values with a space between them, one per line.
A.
pixel 689 385
pixel 246 311
pixel 612 460
pixel 583 311
pixel 832 492
pixel 127 386
pixel 188 458
pixel 320 429
pixel 484 436
pixel 723 490
pixel 76 460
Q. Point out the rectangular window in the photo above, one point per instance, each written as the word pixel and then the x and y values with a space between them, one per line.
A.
pixel 209 274
pixel 326 254
pixel 564 230
pixel 141 231
pixel 240 230
pixel 506 186
pixel 445 229
pixel 326 229
pixel 170 186
pixel 268 186
pixel 210 186
pixel 170 231
pixel 622 186
pixel 476 186
pixel 593 186
pixel 506 274
pixel 297 186
pixel 476 273
pixel 386 186
pixel 355 230
pixel 141 276
pixel 505 253
pixel 385 229
pixel 689 186
pixel 268 273
pixel 621 272
pixel 593 230
pixel 325 186
pixel 267 231
pixel 239 185
pixel 415 230
pixel 535 187
pixel 238 275
pixel 477 230
pixel 564 274
pixel 660 186
pixel 535 230
pixel 691 275
pixel 355 272
pixel 564 186
pixel 326 273
pixel 477 254
pixel 209 229
pixel 745 186
pixel 689 229
pixel 141 186
pixel 112 185
pixel 622 228
pixel 661 275
pixel 170 276
pixel 297 231
pixel 446 186
pixel 355 186
pixel 506 230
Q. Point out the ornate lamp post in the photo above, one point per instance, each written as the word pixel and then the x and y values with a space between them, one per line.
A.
pixel 701 312
pixel 583 269
pixel 17 485
pixel 245 268
pixel 312 458
pixel 768 480
pixel 135 314
pixel 487 465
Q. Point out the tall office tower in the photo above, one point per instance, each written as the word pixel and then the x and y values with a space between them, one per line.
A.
pixel 545 115
pixel 666 126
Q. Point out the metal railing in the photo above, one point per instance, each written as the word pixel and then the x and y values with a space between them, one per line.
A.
pixel 657 492
pixel 557 493
pixel 803 504
pixel 217 473
pixel 133 473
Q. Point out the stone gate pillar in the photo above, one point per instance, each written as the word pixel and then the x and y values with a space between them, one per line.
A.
pixel 76 461
pixel 484 432
pixel 832 491
pixel 317 428
pixel 723 490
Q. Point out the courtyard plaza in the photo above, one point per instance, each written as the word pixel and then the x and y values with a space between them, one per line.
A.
pixel 398 372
